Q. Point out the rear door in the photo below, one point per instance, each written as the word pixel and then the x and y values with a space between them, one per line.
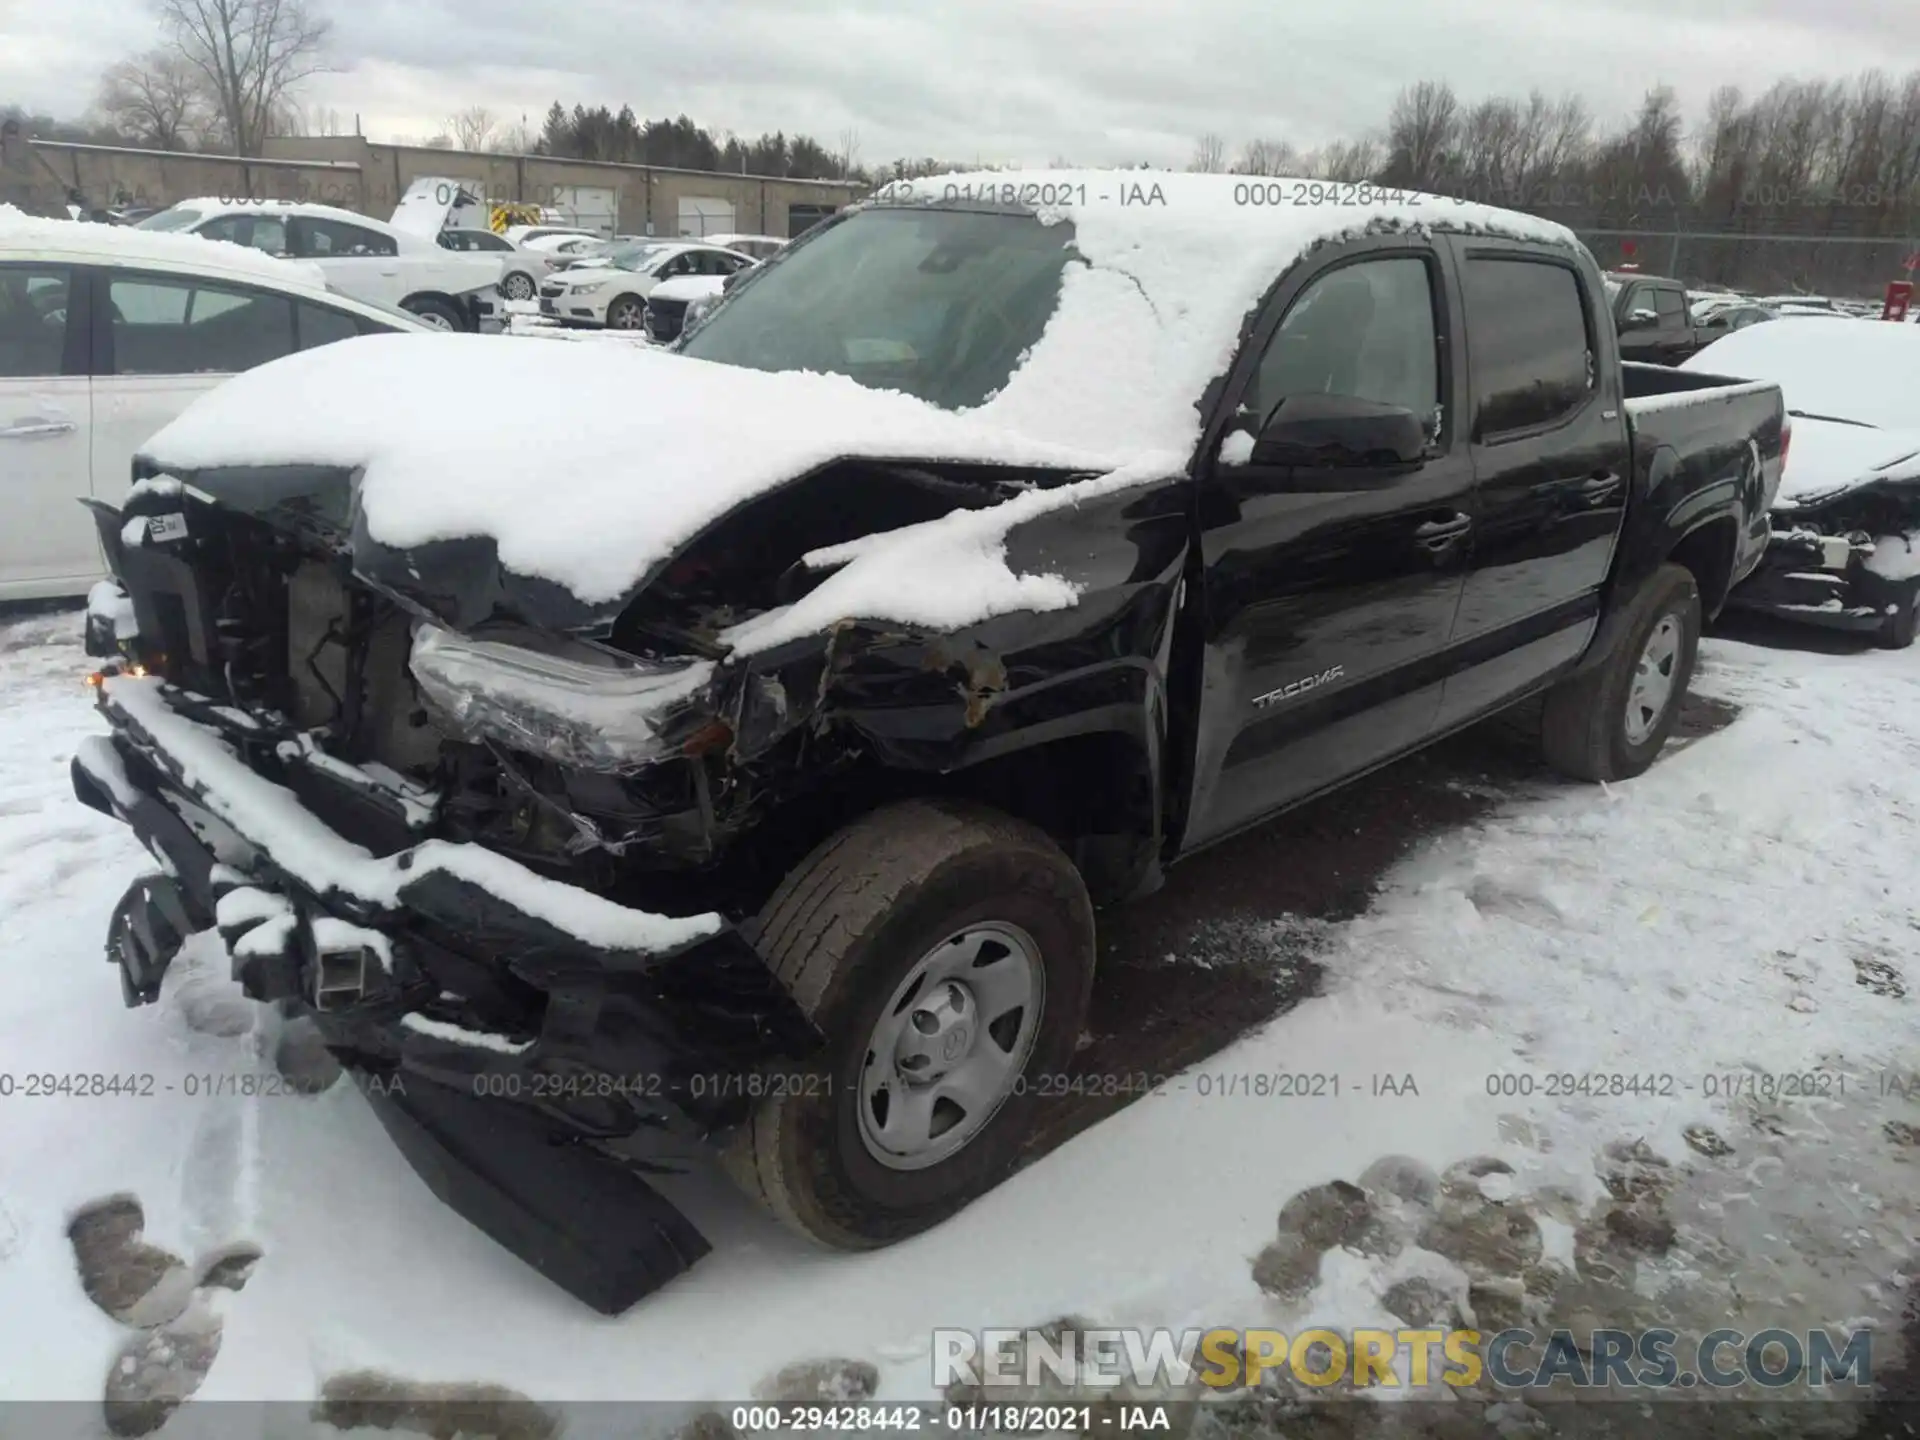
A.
pixel 1329 595
pixel 161 340
pixel 356 260
pixel 1551 457
pixel 47 544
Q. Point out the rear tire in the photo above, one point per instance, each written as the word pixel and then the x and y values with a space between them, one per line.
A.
pixel 1610 722
pixel 518 286
pixel 848 932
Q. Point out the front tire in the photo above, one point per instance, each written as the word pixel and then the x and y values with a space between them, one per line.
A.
pixel 627 312
pixel 1610 722
pixel 517 286
pixel 1898 630
pixel 946 952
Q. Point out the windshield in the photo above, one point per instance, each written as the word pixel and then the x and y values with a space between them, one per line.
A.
pixel 178 218
pixel 942 304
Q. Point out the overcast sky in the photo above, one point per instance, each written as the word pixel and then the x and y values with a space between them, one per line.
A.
pixel 1092 81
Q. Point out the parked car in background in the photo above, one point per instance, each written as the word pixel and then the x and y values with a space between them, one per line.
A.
pixel 1725 319
pixel 758 246
pixel 1845 549
pixel 670 303
pixel 108 332
pixel 1650 313
pixel 789 703
pixel 521 234
pixel 362 257
pixel 614 292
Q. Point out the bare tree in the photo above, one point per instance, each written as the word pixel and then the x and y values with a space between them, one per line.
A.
pixel 250 54
pixel 441 141
pixel 1209 155
pixel 472 128
pixel 849 156
pixel 518 138
pixel 1351 162
pixel 1269 157
pixel 1423 135
pixel 156 98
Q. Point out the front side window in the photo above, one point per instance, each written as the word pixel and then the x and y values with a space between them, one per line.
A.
pixel 167 326
pixel 1670 306
pixel 1530 356
pixel 1365 330
pixel 33 320
pixel 178 217
pixel 939 303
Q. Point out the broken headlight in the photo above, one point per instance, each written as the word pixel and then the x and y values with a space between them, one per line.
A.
pixel 570 702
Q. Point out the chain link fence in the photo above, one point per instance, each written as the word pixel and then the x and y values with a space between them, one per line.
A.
pixel 1766 263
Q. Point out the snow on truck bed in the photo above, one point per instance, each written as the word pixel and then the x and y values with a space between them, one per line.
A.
pixel 589 466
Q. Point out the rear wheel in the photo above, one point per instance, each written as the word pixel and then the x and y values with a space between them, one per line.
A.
pixel 517 286
pixel 628 312
pixel 945 952
pixel 437 313
pixel 1609 723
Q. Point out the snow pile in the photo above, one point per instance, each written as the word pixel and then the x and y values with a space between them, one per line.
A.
pixel 1864 370
pixel 130 245
pixel 590 467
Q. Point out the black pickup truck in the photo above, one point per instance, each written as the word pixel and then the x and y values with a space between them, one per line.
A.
pixel 1653 320
pixel 732 847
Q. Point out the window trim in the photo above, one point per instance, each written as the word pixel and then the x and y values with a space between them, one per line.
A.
pixel 1596 385
pixel 1278 303
pixel 106 362
pixel 74 347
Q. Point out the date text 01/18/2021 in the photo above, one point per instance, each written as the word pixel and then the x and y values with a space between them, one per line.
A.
pixel 1003 1419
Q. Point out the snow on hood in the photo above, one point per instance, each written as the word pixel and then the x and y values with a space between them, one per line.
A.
pixel 610 460
pixel 133 246
pixel 1828 458
pixel 1865 370
pixel 589 467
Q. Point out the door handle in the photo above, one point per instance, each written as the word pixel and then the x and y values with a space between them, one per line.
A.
pixel 1439 534
pixel 30 428
pixel 1596 488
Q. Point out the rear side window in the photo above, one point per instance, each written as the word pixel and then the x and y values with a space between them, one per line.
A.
pixel 33 320
pixel 336 239
pixel 165 326
pixel 320 325
pixel 1527 344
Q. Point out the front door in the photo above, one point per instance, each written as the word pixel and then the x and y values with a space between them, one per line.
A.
pixel 1330 594
pixel 47 545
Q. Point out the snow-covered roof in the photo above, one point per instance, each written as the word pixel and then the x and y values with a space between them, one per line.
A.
pixel 214 205
pixel 21 234
pixel 590 466
pixel 1863 370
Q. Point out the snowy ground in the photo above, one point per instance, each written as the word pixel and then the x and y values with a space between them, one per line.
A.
pixel 1746 909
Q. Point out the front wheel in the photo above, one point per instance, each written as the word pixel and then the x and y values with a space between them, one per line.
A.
pixel 517 286
pixel 946 952
pixel 1609 723
pixel 1897 631
pixel 629 312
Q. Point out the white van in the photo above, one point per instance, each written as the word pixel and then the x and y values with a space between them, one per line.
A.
pixel 106 333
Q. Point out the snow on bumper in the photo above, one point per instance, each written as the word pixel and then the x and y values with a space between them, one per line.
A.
pixel 444 960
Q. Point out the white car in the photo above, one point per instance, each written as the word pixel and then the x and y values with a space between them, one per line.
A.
pixel 758 246
pixel 525 265
pixel 524 234
pixel 674 304
pixel 362 257
pixel 107 332
pixel 614 293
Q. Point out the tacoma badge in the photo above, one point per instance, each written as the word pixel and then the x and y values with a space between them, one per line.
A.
pixel 1298 687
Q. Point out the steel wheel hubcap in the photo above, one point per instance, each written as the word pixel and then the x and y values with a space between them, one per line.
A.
pixel 1652 688
pixel 438 322
pixel 950 1047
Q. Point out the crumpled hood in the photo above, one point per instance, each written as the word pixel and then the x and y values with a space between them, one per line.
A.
pixel 578 469
pixel 1829 458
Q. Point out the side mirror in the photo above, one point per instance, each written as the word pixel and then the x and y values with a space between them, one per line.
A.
pixel 1340 432
pixel 1642 320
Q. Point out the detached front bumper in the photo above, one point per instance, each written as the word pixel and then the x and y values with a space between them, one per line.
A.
pixel 1824 580
pixel 500 1008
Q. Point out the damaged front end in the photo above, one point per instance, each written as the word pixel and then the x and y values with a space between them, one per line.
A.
pixel 1849 563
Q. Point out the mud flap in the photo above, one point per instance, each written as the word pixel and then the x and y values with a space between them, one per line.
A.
pixel 148 926
pixel 596 1230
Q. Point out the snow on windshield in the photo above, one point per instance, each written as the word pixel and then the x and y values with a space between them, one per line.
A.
pixel 1864 370
pixel 589 467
